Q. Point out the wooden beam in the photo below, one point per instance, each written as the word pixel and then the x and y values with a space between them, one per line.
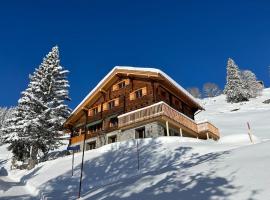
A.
pixel 102 91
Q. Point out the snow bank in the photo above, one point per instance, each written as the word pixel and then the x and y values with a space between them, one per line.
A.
pixel 239 139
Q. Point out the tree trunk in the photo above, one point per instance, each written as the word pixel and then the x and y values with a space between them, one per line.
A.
pixel 33 157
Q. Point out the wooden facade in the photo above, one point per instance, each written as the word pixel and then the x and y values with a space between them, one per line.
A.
pixel 125 91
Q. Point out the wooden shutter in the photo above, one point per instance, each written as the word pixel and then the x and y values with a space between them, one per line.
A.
pixel 127 81
pixel 99 108
pixel 144 91
pixel 105 106
pixel 90 112
pixel 115 87
pixel 132 96
pixel 116 102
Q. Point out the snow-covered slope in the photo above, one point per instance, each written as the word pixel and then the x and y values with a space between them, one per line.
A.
pixel 232 119
pixel 169 167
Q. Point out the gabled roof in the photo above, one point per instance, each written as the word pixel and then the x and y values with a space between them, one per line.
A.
pixel 135 69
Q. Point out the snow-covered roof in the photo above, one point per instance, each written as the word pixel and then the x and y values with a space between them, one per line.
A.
pixel 142 69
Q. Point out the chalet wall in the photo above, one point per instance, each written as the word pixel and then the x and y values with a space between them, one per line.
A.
pixel 152 130
pixel 156 92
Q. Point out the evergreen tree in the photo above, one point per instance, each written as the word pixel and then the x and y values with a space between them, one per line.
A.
pixel 234 88
pixel 13 133
pixel 41 112
pixel 5 115
pixel 251 84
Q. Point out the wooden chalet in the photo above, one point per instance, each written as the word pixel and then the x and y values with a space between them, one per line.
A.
pixel 132 103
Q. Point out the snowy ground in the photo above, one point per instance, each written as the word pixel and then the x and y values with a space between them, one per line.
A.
pixel 169 167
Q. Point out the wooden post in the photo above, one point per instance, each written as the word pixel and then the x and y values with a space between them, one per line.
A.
pixel 72 162
pixel 80 186
pixel 84 138
pixel 207 135
pixel 181 133
pixel 249 133
pixel 138 154
pixel 167 128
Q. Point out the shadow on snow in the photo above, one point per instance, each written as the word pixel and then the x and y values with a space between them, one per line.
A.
pixel 115 175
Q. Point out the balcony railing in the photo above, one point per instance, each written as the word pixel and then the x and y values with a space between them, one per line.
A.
pixel 179 117
pixel 79 138
pixel 206 126
pixel 138 115
pixel 163 109
pixel 76 139
pixel 156 110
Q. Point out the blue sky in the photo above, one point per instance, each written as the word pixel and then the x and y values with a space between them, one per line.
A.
pixel 189 40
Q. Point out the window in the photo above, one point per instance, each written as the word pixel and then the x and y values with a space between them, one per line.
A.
pixel 90 145
pixel 95 111
pixel 113 122
pixel 111 104
pixel 95 127
pixel 121 84
pixel 173 133
pixel 138 94
pixel 140 133
pixel 112 139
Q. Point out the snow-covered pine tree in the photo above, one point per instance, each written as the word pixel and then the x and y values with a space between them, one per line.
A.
pixel 13 133
pixel 5 115
pixel 47 93
pixel 234 88
pixel 38 121
pixel 53 94
pixel 251 84
pixel 3 112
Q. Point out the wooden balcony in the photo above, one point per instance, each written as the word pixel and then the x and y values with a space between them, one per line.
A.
pixel 162 110
pixel 79 138
pixel 76 139
pixel 208 129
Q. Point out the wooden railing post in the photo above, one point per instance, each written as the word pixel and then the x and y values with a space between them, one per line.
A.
pixel 167 128
pixel 181 133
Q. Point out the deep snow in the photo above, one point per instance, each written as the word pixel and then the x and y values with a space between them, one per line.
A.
pixel 169 167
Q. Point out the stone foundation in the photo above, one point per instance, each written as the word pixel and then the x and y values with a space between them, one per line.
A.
pixel 152 130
